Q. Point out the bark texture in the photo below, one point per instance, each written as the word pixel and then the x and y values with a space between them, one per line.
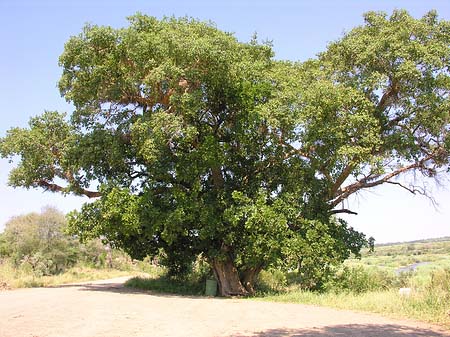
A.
pixel 249 277
pixel 228 278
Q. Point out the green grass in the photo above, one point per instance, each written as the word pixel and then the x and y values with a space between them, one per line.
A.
pixel 378 293
pixel 419 306
pixel 430 299
pixel 163 284
pixel 399 255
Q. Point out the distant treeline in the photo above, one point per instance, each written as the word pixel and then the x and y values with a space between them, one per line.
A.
pixel 441 239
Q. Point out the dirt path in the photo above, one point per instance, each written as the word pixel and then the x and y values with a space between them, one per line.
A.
pixel 106 309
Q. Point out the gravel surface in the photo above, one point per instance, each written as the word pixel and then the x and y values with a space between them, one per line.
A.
pixel 106 309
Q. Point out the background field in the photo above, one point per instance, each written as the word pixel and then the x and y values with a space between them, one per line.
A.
pixel 372 283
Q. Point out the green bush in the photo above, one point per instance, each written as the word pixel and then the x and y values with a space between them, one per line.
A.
pixel 166 284
pixel 271 281
pixel 439 285
pixel 163 280
pixel 39 242
pixel 91 253
pixel 147 265
pixel 359 280
pixel 403 279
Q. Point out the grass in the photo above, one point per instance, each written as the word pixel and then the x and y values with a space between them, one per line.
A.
pixel 429 301
pixel 163 284
pixel 418 306
pixel 158 280
pixel 395 256
pixel 12 277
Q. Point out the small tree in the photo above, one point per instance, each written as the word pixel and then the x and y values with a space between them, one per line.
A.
pixel 202 144
pixel 39 239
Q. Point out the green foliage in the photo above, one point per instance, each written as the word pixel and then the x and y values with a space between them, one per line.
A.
pixel 190 282
pixel 271 281
pixel 201 144
pixel 359 280
pixel 367 285
pixel 38 243
pixel 165 284
pixel 438 288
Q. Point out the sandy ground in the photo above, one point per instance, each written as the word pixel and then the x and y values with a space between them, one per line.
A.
pixel 106 309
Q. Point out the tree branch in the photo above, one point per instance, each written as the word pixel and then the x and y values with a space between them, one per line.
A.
pixel 340 180
pixel 56 188
pixel 345 192
pixel 411 189
pixel 344 210
pixel 388 96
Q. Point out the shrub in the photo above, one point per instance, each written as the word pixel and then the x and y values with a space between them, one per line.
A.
pixel 270 281
pixel 403 279
pixel 165 284
pixel 359 280
pixel 38 242
pixel 440 284
pixel 163 280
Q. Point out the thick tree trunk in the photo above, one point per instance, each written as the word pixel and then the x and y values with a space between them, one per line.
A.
pixel 228 278
pixel 249 277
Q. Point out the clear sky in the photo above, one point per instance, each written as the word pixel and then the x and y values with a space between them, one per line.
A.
pixel 33 34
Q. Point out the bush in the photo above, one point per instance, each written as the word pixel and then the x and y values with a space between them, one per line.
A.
pixel 165 284
pixel 38 242
pixel 439 285
pixel 91 253
pixel 403 279
pixel 179 264
pixel 271 281
pixel 147 265
pixel 359 280
pixel 163 280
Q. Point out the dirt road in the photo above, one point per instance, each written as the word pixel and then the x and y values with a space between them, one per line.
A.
pixel 106 309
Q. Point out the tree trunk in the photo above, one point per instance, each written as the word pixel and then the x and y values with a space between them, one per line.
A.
pixel 249 277
pixel 228 278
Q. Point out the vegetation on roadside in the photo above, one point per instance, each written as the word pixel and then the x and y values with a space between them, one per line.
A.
pixel 372 283
pixel 421 305
pixel 12 277
pixel 161 280
pixel 360 284
pixel 35 251
pixel 165 284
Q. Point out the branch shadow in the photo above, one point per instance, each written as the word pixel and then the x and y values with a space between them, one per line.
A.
pixel 350 330
pixel 119 288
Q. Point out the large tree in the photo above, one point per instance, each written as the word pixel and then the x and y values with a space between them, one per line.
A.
pixel 192 143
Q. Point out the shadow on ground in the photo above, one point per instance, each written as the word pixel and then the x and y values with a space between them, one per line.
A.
pixel 351 330
pixel 121 289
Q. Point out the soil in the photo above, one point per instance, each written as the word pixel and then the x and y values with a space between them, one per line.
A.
pixel 106 309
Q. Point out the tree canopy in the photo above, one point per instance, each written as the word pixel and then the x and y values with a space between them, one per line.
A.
pixel 192 142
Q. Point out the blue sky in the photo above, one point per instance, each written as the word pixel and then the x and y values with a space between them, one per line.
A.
pixel 33 34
